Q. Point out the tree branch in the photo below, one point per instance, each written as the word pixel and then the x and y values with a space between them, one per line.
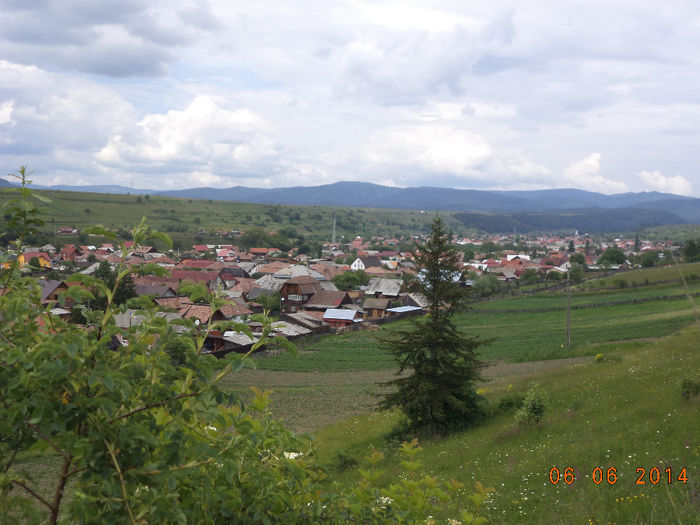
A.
pixel 152 405
pixel 12 459
pixel 45 438
pixel 121 481
pixel 58 495
pixel 75 471
pixel 28 489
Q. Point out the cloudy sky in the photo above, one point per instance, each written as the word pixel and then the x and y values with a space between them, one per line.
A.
pixel 598 95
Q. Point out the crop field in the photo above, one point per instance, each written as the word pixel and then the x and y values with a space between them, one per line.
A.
pixel 581 298
pixel 517 328
pixel 647 275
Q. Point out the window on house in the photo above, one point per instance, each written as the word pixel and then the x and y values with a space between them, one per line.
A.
pixel 295 297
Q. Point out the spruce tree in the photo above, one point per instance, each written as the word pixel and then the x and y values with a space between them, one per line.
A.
pixel 439 394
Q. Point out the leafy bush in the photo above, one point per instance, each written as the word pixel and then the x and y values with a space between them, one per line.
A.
pixel 533 406
pixel 690 389
pixel 144 433
pixel 511 401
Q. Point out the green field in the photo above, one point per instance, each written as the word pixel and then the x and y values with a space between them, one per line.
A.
pixel 184 219
pixel 517 329
pixel 622 410
pixel 625 412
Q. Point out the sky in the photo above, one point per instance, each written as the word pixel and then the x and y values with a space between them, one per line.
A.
pixel 504 95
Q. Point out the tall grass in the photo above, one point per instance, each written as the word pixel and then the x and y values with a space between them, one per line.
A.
pixel 623 412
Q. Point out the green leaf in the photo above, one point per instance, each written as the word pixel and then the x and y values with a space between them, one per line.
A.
pixel 100 230
pixel 41 198
pixel 153 234
pixel 108 382
pixel 162 416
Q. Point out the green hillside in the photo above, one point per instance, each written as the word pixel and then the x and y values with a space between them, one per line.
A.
pixel 614 401
pixel 624 412
pixel 192 220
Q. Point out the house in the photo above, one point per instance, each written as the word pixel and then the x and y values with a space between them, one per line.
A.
pixel 298 270
pixel 259 253
pixel 194 264
pixel 230 274
pixel 69 252
pixel 383 288
pixel 266 285
pixel 290 330
pixel 273 267
pixel 155 291
pixel 297 291
pixel 231 311
pixel 42 257
pixel 375 308
pixel 340 317
pixel 210 279
pixel 362 263
pixel 404 311
pixel 416 299
pixel 306 320
pixel 325 299
pixel 330 270
pixel 50 289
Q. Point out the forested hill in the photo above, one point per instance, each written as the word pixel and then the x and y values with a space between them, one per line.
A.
pixel 590 220
pixel 490 211
pixel 369 195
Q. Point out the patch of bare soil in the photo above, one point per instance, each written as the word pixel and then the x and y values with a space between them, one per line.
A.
pixel 307 401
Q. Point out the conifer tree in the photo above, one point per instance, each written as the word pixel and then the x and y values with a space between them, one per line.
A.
pixel 439 393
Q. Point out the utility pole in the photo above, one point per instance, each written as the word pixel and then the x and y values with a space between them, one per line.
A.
pixel 568 311
pixel 333 239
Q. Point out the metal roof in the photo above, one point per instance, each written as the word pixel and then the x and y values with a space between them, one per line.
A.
pixel 339 314
pixel 404 309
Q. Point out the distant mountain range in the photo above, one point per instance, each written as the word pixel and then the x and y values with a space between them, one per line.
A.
pixel 369 195
pixel 486 210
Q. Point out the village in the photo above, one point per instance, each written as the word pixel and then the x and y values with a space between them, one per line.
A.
pixel 355 285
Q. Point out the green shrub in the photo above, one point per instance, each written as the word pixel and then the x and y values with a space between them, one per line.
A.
pixel 344 461
pixel 533 406
pixel 690 389
pixel 511 401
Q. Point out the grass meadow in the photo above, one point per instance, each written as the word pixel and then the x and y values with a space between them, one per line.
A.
pixel 624 411
pixel 183 219
pixel 613 402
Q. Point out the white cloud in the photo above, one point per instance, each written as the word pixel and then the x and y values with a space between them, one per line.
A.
pixel 584 174
pixel 6 111
pixel 441 92
pixel 436 149
pixel 202 137
pixel 654 180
